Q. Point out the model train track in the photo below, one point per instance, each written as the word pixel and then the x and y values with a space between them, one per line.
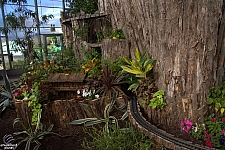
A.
pixel 137 118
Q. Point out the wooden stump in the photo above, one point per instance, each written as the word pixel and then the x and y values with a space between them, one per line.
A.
pixel 96 105
pixel 62 112
pixel 22 110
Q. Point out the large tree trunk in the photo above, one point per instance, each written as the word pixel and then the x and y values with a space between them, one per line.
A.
pixel 182 36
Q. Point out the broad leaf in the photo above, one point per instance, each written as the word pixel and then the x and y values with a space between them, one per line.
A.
pixel 137 54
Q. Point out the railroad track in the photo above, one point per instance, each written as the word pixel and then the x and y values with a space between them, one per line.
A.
pixel 168 140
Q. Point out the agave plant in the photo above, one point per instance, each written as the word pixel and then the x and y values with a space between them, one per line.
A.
pixel 32 135
pixel 108 120
pixel 6 100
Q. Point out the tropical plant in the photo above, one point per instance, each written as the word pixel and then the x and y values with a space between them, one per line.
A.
pixel 32 135
pixel 124 139
pixel 6 100
pixel 138 68
pixel 16 22
pixel 110 83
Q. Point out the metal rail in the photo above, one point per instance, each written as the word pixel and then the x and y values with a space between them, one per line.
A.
pixel 179 143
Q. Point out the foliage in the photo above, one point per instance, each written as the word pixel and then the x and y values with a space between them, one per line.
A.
pixel 89 54
pixel 81 31
pixel 216 98
pixel 197 131
pixel 16 22
pixel 117 34
pixel 157 100
pixel 106 33
pixel 212 132
pixel 113 64
pixel 215 131
pixel 108 120
pixel 138 68
pixel 90 64
pixel 7 93
pixel 88 6
pixel 31 135
pixel 109 83
pixel 146 89
pixel 35 102
pixel 93 68
pixel 22 92
pixel 35 88
pixel 124 139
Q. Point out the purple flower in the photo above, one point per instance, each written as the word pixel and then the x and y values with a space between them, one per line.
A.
pixel 222 140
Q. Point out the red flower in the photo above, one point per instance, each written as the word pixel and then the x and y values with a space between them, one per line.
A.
pixel 208 143
pixel 223 119
pixel 208 136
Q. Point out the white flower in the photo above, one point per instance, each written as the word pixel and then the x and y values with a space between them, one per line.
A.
pixel 96 96
pixel 78 91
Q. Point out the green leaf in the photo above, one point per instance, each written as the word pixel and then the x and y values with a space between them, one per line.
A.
pixel 133 86
pixel 137 54
pixel 217 105
pixel 94 122
pixel 125 115
pixel 126 60
pixel 131 69
pixel 82 121
pixel 209 101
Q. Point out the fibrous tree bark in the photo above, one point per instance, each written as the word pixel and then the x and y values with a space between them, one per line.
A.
pixel 183 37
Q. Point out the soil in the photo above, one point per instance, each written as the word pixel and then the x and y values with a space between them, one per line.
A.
pixel 72 142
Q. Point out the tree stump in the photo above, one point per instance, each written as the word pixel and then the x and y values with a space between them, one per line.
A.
pixel 22 110
pixel 62 112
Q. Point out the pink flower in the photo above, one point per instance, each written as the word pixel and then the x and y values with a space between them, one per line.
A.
pixel 182 123
pixel 223 131
pixel 186 125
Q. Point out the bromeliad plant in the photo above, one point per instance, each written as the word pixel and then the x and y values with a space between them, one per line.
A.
pixel 32 135
pixel 110 83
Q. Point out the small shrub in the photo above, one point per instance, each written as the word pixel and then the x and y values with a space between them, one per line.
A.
pixel 118 139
